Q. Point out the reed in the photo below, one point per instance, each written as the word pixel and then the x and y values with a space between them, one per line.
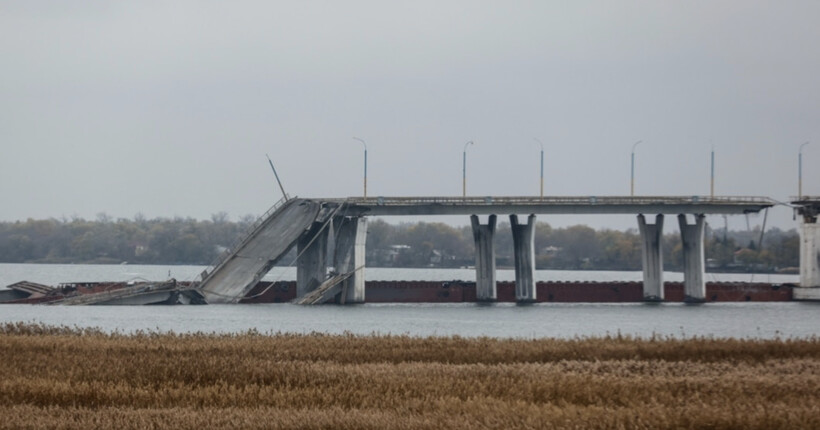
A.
pixel 61 377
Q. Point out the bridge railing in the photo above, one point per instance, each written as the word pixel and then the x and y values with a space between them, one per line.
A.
pixel 804 198
pixel 249 232
pixel 558 200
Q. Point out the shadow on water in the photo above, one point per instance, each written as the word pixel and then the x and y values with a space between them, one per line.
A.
pixel 486 303
pixel 653 303
pixel 525 303
pixel 693 302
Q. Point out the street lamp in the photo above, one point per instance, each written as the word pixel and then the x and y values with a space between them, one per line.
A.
pixel 713 172
pixel 800 171
pixel 365 165
pixel 632 183
pixel 542 166
pixel 464 169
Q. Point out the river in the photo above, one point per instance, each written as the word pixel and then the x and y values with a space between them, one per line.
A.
pixel 52 274
pixel 564 320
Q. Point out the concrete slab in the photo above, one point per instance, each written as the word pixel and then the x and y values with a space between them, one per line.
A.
pixel 255 256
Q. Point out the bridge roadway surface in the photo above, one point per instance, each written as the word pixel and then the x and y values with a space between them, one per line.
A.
pixel 242 266
pixel 491 205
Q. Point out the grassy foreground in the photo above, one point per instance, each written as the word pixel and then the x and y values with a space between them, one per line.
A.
pixel 56 377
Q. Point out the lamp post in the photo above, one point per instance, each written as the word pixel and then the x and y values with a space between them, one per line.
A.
pixel 542 166
pixel 365 164
pixel 464 169
pixel 800 171
pixel 712 188
pixel 284 194
pixel 632 177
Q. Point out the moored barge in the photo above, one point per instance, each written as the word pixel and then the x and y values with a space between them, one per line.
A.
pixel 547 292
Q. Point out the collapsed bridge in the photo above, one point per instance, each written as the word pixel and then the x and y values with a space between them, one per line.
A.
pixel 315 226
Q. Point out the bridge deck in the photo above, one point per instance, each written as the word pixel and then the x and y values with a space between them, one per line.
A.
pixel 241 267
pixel 382 206
pixel 808 207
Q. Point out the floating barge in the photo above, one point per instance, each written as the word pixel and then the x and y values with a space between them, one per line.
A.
pixel 547 292
pixel 172 292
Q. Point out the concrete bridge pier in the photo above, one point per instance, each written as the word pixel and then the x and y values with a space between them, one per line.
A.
pixel 349 256
pixel 524 247
pixel 809 254
pixel 694 288
pixel 651 237
pixel 809 261
pixel 808 208
pixel 311 266
pixel 484 258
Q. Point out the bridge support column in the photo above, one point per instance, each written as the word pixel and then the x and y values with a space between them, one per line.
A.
pixel 651 237
pixel 809 289
pixel 524 247
pixel 809 254
pixel 694 288
pixel 485 288
pixel 311 266
pixel 349 256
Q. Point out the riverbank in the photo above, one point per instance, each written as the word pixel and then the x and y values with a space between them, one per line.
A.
pixel 74 378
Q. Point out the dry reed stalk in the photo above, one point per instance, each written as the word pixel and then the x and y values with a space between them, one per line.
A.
pixel 57 377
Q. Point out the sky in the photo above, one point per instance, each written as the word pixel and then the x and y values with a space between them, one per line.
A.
pixel 169 108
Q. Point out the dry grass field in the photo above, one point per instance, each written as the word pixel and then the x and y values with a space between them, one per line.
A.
pixel 56 377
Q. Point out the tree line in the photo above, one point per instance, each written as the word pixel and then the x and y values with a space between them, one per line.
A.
pixel 422 244
pixel 105 240
pixel 576 247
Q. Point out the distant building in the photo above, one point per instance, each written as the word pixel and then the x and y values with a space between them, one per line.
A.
pixel 551 251
pixel 394 252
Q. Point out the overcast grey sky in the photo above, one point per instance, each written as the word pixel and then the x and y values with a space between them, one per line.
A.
pixel 168 108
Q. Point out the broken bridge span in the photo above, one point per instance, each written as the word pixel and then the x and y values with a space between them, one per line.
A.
pixel 313 225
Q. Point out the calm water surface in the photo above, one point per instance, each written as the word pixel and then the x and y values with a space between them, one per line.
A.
pixel 741 320
pixel 564 320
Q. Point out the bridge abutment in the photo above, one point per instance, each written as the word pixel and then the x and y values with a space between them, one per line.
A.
pixel 652 257
pixel 694 288
pixel 349 256
pixel 483 235
pixel 524 248
pixel 311 266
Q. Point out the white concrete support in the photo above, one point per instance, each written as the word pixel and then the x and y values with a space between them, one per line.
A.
pixel 349 256
pixel 311 267
pixel 694 288
pixel 524 248
pixel 651 237
pixel 809 254
pixel 484 258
